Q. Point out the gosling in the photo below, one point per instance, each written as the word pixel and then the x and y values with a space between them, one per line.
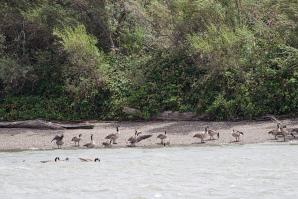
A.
pixel 77 140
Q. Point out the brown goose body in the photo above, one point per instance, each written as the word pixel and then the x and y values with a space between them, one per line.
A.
pixel 59 140
pixel 236 134
pixel 212 133
pixel 77 140
pixel 113 136
pixel 162 137
pixel 89 160
pixel 90 144
pixel 201 135
pixel 107 144
pixel 137 138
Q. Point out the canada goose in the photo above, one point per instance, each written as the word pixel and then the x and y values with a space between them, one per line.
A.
pixel 59 141
pixel 134 137
pixel 162 137
pixel 281 129
pixel 236 134
pixel 285 132
pixel 212 133
pixel 201 135
pixel 113 136
pixel 55 160
pixel 90 144
pixel 77 140
pixel 137 138
pixel 107 143
pixel 275 132
pixel 89 160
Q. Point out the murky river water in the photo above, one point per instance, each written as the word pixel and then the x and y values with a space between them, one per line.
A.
pixel 240 171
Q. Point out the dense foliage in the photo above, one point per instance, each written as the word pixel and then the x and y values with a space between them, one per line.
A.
pixel 88 59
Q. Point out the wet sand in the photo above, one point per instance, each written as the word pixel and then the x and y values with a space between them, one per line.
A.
pixel 179 133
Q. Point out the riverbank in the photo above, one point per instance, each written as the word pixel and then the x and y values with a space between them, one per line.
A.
pixel 179 133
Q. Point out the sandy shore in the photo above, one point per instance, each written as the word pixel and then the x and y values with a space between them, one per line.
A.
pixel 180 133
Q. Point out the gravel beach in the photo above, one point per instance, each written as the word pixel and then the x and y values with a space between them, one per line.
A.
pixel 179 133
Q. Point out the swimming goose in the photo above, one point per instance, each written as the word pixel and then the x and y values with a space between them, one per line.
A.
pixel 162 137
pixel 55 160
pixel 90 144
pixel 107 143
pixel 236 134
pixel 89 160
pixel 113 136
pixel 201 135
pixel 77 140
pixel 212 133
pixel 59 141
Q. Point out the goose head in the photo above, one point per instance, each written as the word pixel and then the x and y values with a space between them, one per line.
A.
pixel 57 159
pixel 217 135
pixel 96 160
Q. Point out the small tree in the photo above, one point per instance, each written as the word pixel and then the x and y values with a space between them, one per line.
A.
pixel 83 73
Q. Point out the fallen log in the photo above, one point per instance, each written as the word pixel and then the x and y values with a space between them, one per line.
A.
pixel 32 124
pixel 77 126
pixel 43 125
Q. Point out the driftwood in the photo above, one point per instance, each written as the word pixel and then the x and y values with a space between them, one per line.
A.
pixel 77 126
pixel 41 124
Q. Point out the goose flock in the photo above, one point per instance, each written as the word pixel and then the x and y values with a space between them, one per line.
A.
pixel 57 159
pixel 111 139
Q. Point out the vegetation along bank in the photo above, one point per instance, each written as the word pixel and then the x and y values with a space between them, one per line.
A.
pixel 84 59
